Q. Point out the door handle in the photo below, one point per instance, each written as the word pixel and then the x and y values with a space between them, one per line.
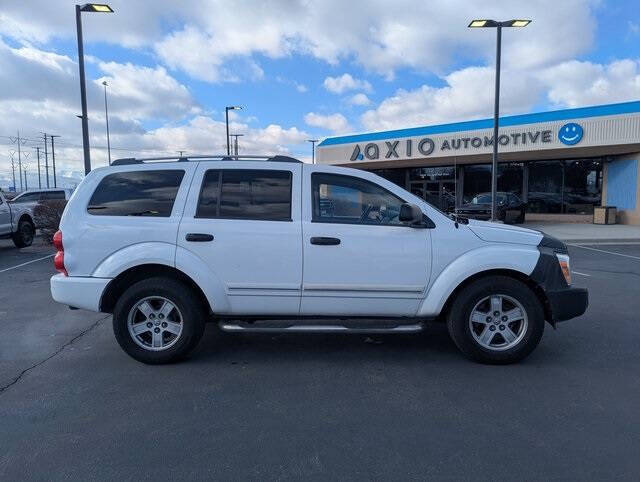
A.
pixel 324 241
pixel 199 237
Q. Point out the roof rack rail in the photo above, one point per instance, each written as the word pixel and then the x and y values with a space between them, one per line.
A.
pixel 203 157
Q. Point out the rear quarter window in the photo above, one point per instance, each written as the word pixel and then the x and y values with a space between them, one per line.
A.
pixel 136 193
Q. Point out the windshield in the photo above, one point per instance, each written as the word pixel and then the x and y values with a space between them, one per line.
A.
pixel 486 199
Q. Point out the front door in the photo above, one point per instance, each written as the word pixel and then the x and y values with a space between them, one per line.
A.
pixel 244 224
pixel 359 259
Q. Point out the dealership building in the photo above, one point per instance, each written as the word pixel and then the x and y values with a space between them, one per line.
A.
pixel 561 163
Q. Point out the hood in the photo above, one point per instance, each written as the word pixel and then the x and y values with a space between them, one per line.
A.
pixel 504 233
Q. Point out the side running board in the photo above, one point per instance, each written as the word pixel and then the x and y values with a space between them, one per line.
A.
pixel 307 328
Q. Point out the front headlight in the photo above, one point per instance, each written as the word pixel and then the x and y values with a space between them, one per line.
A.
pixel 563 259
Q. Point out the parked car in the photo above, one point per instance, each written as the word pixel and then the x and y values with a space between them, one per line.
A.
pixel 275 245
pixel 16 223
pixel 32 197
pixel 509 207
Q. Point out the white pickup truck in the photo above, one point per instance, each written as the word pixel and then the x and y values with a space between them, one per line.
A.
pixel 16 222
pixel 275 245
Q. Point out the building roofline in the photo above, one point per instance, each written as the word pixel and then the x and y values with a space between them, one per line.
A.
pixel 514 120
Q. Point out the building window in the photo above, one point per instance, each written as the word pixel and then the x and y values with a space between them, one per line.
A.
pixel 396 176
pixel 440 173
pixel 567 187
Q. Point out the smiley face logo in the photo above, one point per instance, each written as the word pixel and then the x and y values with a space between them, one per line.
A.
pixel 570 133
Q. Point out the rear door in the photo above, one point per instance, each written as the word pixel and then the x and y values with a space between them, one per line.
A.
pixel 359 259
pixel 243 222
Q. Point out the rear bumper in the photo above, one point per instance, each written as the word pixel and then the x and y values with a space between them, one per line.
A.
pixel 568 303
pixel 77 291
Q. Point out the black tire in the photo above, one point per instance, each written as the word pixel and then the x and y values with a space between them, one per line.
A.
pixel 23 237
pixel 460 313
pixel 183 297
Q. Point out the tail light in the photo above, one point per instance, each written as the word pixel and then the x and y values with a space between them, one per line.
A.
pixel 58 260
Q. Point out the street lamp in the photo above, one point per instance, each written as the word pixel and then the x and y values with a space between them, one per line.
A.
pixel 226 114
pixel 88 7
pixel 313 150
pixel 235 143
pixel 496 109
pixel 106 116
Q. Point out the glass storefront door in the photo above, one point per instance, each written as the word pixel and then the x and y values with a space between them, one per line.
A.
pixel 440 194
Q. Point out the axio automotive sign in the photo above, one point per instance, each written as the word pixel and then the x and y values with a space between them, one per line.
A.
pixel 569 134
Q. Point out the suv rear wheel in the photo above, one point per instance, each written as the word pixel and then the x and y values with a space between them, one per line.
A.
pixel 23 237
pixel 496 320
pixel 158 320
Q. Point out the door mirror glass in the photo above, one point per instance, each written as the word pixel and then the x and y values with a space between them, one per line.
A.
pixel 410 214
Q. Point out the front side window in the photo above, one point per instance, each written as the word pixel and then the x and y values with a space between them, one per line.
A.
pixel 136 193
pixel 351 200
pixel 253 194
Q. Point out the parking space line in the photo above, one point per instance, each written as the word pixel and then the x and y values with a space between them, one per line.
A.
pixel 581 274
pixel 608 252
pixel 28 262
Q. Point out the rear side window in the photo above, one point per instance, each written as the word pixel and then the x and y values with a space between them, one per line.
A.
pixel 246 194
pixel 51 195
pixel 136 193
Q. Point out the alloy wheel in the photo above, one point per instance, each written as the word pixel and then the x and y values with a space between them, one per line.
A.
pixel 155 323
pixel 498 322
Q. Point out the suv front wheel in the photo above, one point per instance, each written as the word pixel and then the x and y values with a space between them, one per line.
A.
pixel 158 320
pixel 496 320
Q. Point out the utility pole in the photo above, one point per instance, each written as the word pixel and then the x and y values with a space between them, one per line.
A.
pixel 26 186
pixel 46 159
pixel 20 142
pixel 13 168
pixel 235 142
pixel 37 148
pixel 53 159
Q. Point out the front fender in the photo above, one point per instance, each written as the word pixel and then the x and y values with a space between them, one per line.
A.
pixel 519 258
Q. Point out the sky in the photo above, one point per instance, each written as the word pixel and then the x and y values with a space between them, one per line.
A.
pixel 300 69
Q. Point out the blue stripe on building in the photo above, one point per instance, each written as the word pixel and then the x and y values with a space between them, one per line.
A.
pixel 523 119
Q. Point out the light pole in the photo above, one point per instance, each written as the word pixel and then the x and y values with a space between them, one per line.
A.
pixel 106 116
pixel 88 7
pixel 496 106
pixel 313 150
pixel 226 115
pixel 235 142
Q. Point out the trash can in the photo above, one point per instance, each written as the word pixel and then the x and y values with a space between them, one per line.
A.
pixel 604 215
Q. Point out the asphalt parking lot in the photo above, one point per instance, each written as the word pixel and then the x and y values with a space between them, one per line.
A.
pixel 324 407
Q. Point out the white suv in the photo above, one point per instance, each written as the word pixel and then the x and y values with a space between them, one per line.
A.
pixel 278 245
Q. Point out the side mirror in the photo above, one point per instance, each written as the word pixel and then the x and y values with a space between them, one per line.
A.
pixel 410 214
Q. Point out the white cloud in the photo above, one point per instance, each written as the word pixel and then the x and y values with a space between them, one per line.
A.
pixel 337 123
pixel 359 99
pixel 210 43
pixel 575 83
pixel 467 95
pixel 345 82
